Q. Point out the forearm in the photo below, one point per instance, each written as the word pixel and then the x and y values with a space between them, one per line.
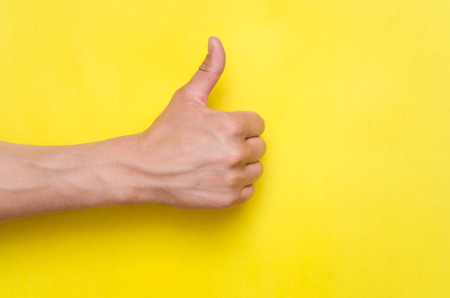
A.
pixel 42 179
pixel 190 157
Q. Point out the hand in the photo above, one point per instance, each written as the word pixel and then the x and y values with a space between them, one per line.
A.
pixel 190 157
pixel 202 158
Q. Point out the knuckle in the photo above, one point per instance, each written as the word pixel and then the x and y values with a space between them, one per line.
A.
pixel 262 123
pixel 263 146
pixel 229 200
pixel 234 179
pixel 188 94
pixel 258 118
pixel 249 192
pixel 257 171
pixel 259 167
pixel 226 203
pixel 205 66
pixel 180 94
pixel 257 122
pixel 237 156
pixel 180 91
pixel 235 127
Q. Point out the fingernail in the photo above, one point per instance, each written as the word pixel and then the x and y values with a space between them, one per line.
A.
pixel 210 45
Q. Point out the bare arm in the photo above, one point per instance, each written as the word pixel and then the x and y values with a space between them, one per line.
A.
pixel 40 179
pixel 190 157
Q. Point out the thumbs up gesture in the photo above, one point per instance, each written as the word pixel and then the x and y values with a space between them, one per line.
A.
pixel 195 157
pixel 190 157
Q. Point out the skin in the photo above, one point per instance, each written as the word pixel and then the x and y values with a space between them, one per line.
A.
pixel 191 157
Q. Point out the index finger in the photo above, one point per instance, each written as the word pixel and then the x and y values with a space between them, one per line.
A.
pixel 255 123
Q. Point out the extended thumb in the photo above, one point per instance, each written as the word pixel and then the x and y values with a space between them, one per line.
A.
pixel 209 72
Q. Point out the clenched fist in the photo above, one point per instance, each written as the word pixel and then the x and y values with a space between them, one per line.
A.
pixel 204 158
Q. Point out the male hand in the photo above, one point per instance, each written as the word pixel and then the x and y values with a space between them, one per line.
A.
pixel 190 157
pixel 203 158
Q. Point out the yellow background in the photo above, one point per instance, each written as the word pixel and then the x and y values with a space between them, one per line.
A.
pixel 355 198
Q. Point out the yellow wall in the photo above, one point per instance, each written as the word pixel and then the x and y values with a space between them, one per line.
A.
pixel 355 198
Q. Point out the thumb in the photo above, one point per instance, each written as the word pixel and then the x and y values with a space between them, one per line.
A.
pixel 209 72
